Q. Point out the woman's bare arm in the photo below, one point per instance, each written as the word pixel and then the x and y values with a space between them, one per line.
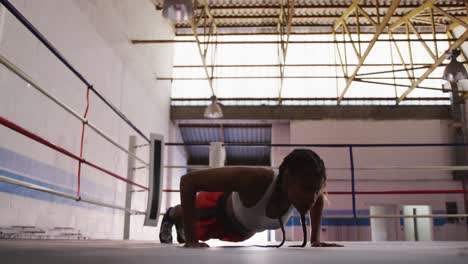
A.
pixel 240 179
pixel 315 219
pixel 315 223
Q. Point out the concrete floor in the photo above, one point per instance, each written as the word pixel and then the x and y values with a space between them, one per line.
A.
pixel 116 252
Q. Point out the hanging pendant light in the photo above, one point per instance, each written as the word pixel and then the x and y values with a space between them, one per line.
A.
pixel 455 70
pixel 178 10
pixel 213 110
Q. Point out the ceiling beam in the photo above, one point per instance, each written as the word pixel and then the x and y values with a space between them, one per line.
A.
pixel 284 45
pixel 454 25
pixel 278 77
pixel 192 125
pixel 367 16
pixel 338 7
pixel 313 99
pixel 203 52
pixel 464 55
pixel 318 112
pixel 379 31
pixel 267 16
pixel 413 13
pixel 424 76
pixel 273 24
pixel 366 80
pixel 181 33
pixel 297 65
pixel 345 15
pixel 396 70
pixel 298 29
pixel 454 19
pixel 169 41
pixel 423 42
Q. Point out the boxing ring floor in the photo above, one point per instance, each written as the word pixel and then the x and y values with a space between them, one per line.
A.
pixel 116 252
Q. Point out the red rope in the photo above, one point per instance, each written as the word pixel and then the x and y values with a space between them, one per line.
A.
pixel 113 174
pixel 41 140
pixel 81 144
pixel 24 132
pixel 35 137
pixel 166 190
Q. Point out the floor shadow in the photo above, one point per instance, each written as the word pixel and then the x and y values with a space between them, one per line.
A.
pixel 233 246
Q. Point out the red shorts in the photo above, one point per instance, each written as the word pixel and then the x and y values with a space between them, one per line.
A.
pixel 210 223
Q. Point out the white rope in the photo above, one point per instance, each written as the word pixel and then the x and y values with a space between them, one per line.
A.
pixel 34 84
pixel 439 168
pixel 65 195
pixel 100 132
pixel 394 216
pixel 386 216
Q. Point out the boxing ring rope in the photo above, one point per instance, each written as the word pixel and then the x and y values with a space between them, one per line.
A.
pixel 85 121
pixel 43 141
pixel 440 168
pixel 72 197
pixel 77 197
pixel 59 56
pixel 376 192
pixel 89 87
pixel 31 135
pixel 324 145
pixel 356 216
pixel 83 127
pixel 350 148
pixel 66 195
pixel 393 216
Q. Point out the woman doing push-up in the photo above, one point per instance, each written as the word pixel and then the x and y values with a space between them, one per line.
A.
pixel 234 203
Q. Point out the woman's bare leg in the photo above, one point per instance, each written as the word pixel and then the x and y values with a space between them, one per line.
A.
pixel 176 216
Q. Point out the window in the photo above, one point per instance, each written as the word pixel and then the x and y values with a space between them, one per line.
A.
pixel 313 75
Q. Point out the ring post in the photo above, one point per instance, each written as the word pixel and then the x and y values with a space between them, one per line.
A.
pixel 351 158
pixel 415 223
pixel 155 179
pixel 128 193
pixel 217 154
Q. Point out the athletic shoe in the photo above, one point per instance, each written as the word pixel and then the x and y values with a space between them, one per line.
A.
pixel 165 232
pixel 180 234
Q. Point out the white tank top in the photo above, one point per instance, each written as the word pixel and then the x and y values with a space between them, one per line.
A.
pixel 254 218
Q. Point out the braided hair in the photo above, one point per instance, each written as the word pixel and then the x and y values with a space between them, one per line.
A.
pixel 306 163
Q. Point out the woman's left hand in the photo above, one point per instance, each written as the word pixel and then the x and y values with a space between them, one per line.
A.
pixel 323 244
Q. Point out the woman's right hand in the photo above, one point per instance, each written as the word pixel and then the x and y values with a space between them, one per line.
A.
pixel 196 245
